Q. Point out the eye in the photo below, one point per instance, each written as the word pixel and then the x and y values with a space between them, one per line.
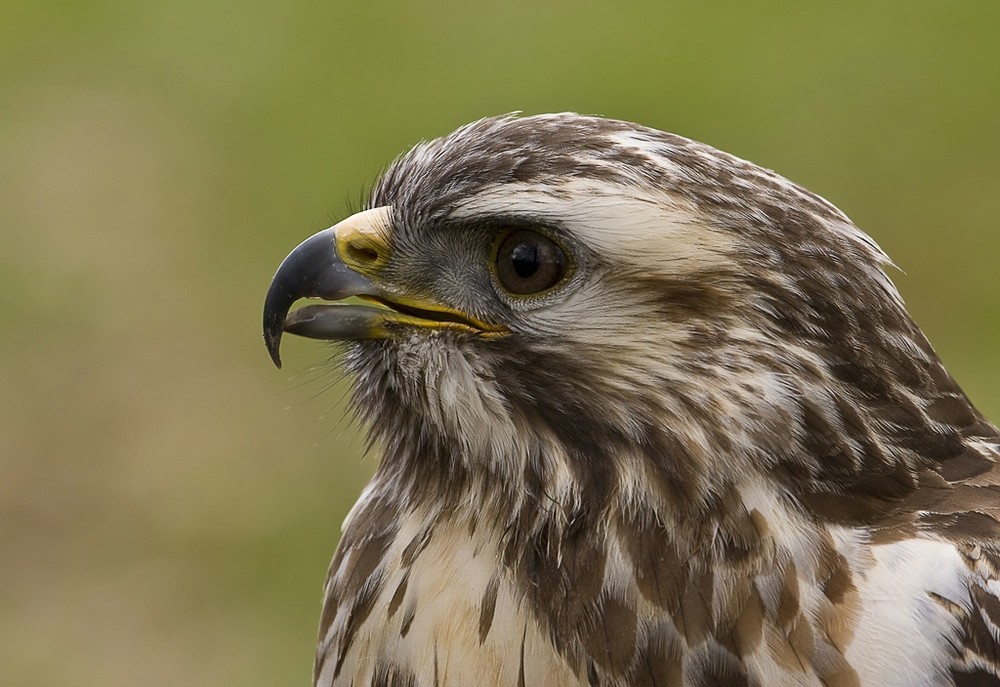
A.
pixel 528 262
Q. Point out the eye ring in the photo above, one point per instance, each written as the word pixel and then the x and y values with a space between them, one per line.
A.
pixel 528 263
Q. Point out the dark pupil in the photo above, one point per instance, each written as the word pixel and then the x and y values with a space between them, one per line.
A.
pixel 525 259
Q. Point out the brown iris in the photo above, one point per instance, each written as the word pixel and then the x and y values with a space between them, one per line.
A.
pixel 529 263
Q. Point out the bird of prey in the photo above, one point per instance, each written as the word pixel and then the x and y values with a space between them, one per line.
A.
pixel 649 414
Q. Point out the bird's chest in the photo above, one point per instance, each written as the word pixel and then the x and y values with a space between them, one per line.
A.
pixel 443 603
pixel 441 610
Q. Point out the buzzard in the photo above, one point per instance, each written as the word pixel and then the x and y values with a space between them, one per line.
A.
pixel 649 414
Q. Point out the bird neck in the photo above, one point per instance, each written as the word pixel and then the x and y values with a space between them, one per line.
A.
pixel 542 498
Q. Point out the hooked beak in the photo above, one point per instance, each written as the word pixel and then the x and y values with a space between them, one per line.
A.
pixel 341 262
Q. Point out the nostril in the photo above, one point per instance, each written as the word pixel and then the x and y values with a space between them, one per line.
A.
pixel 361 254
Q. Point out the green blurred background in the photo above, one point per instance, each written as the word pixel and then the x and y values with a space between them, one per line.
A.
pixel 168 501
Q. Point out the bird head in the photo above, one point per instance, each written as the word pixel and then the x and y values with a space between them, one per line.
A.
pixel 597 310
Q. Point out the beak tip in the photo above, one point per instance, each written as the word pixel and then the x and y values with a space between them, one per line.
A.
pixel 272 339
pixel 276 305
pixel 273 343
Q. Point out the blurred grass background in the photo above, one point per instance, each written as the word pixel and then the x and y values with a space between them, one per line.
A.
pixel 168 501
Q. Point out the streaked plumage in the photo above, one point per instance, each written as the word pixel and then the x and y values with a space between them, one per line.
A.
pixel 716 451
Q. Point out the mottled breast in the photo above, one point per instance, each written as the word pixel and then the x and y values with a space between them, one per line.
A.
pixel 433 598
pixel 442 611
